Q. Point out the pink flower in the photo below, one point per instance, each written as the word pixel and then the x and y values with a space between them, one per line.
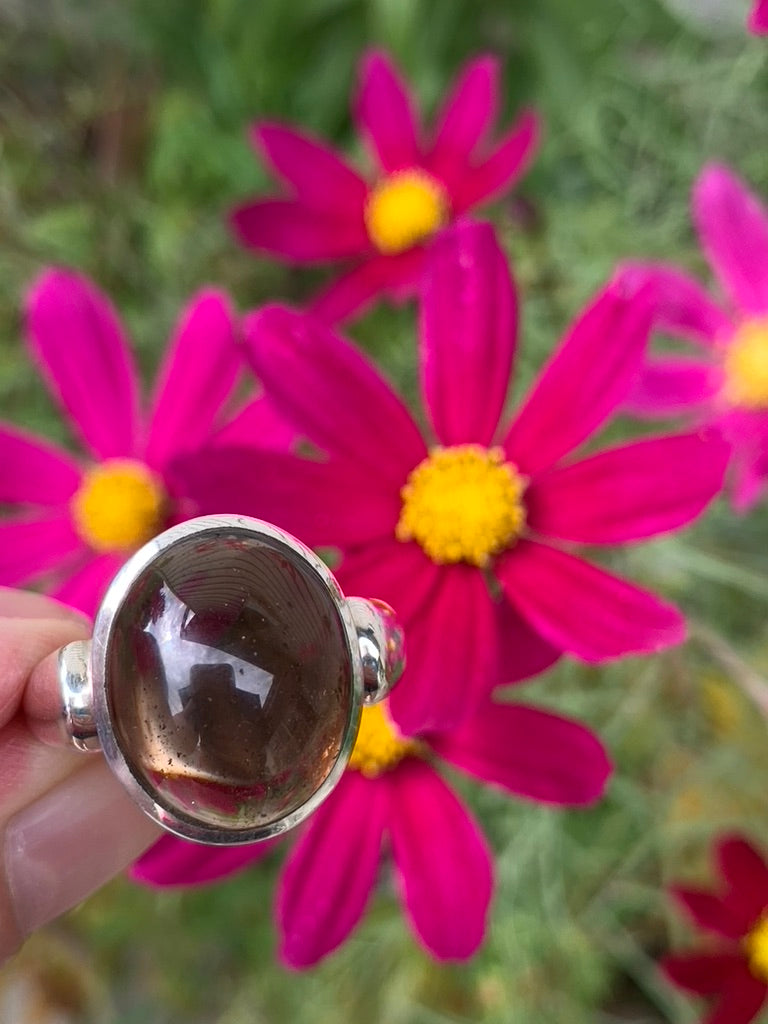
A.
pixel 736 970
pixel 393 797
pixel 470 541
pixel 758 19
pixel 420 185
pixel 75 520
pixel 725 383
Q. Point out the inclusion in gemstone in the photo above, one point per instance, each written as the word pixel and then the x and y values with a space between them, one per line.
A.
pixel 229 680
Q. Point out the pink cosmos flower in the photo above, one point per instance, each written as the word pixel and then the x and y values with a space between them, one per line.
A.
pixel 725 383
pixel 422 182
pixel 75 520
pixel 736 970
pixel 393 798
pixel 758 19
pixel 471 540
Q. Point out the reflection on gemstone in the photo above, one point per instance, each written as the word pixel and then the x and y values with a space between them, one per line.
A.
pixel 229 680
pixel 195 661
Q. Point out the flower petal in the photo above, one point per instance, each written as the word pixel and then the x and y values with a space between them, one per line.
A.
pixel 627 493
pixel 35 472
pixel 681 306
pixel 758 18
pixel 747 432
pixel 741 1002
pixel 746 873
pixel 322 503
pixel 468 334
pixel 589 374
pixel 452 655
pixel 322 180
pixel 329 876
pixel 299 233
pixel 502 169
pixel 529 752
pixel 442 860
pixel 523 651
pixel 175 862
pixel 468 113
pixel 706 974
pixel 673 386
pixel 384 114
pixel 199 372
pixel 584 610
pixel 392 571
pixel 259 425
pixel 76 338
pixel 748 481
pixel 742 865
pixel 354 291
pixel 332 394
pixel 31 547
pixel 85 586
pixel 733 227
pixel 712 913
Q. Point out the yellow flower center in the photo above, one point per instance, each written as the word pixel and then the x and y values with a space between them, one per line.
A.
pixel 462 504
pixel 403 209
pixel 379 746
pixel 746 366
pixel 756 948
pixel 119 505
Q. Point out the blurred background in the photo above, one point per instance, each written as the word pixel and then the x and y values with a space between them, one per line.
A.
pixel 122 146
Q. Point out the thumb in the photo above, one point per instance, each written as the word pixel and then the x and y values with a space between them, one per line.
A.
pixel 64 846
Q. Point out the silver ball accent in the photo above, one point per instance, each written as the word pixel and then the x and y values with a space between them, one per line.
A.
pixel 382 646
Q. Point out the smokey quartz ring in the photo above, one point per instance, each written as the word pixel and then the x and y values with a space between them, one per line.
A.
pixel 225 679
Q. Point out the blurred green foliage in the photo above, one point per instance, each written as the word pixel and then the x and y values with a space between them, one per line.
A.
pixel 122 144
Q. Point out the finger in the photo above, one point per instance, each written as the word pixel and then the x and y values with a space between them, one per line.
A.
pixel 24 643
pixel 42 696
pixel 64 846
pixel 28 768
pixel 21 604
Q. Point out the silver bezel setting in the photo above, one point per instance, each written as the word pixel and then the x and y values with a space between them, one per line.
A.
pixel 104 626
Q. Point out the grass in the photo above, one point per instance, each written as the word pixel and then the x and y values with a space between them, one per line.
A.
pixel 122 144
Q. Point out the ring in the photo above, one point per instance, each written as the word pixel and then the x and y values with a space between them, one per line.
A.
pixel 225 679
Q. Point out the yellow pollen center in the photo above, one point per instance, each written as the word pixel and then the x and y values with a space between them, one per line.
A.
pixel 119 505
pixel 756 948
pixel 404 209
pixel 462 504
pixel 746 366
pixel 379 746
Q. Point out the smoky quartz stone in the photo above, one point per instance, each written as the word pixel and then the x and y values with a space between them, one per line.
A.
pixel 229 680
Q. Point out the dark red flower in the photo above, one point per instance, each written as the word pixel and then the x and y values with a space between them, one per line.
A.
pixel 735 970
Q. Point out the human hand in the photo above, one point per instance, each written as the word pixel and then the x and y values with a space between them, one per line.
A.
pixel 67 825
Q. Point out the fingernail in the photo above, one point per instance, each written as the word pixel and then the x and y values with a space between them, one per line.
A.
pixel 70 842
